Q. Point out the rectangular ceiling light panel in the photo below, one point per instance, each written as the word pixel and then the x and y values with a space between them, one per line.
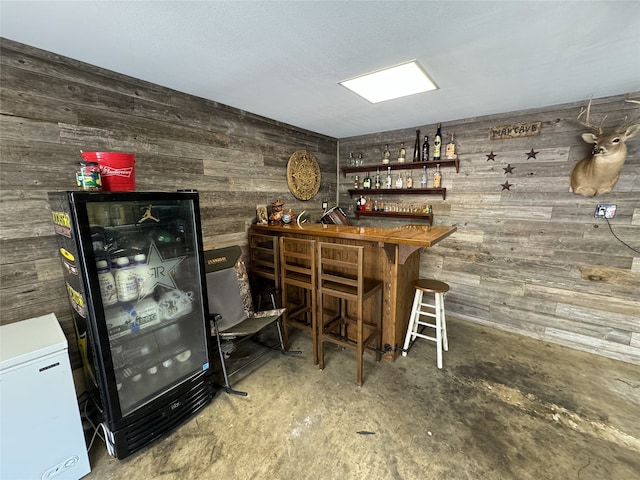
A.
pixel 395 82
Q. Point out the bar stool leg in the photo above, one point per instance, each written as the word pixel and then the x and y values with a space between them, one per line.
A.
pixel 439 327
pixel 443 325
pixel 413 322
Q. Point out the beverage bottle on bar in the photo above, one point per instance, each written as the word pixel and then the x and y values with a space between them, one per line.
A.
pixel 378 179
pixel 437 143
pixel 360 160
pixel 366 183
pixel 387 183
pixel 450 149
pixel 416 148
pixel 409 180
pixel 386 155
pixel 425 149
pixel 356 182
pixel 423 180
pixel 402 153
pixel 351 161
pixel 437 177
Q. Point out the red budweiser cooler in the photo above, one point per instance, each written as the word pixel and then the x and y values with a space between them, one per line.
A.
pixel 116 169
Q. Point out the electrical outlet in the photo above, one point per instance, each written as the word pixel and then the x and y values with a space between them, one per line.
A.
pixel 605 210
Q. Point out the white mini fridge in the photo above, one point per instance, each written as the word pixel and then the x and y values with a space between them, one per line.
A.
pixel 41 434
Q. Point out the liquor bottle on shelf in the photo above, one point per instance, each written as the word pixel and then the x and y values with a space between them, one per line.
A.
pixel 360 160
pixel 399 181
pixel 416 148
pixel 356 182
pixel 409 180
pixel 366 183
pixel 387 183
pixel 425 149
pixel 386 155
pixel 368 205
pixel 423 180
pixel 351 162
pixel 378 185
pixel 450 149
pixel 437 177
pixel 437 144
pixel 402 153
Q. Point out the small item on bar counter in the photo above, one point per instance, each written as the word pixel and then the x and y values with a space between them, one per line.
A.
pixel 277 211
pixel 288 216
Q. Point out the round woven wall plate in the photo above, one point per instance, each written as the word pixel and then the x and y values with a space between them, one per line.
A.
pixel 303 175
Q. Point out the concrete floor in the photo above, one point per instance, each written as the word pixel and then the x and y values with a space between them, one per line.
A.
pixel 503 407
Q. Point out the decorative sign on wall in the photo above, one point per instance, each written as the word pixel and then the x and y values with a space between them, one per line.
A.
pixel 515 131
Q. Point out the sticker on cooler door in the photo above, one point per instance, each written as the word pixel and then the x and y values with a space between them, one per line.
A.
pixel 107 171
pixel 160 271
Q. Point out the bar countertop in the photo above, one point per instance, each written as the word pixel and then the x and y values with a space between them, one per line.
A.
pixel 414 235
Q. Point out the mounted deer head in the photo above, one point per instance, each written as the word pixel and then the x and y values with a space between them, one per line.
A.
pixel 599 172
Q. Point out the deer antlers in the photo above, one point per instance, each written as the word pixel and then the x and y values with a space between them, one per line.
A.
pixel 586 111
pixel 587 123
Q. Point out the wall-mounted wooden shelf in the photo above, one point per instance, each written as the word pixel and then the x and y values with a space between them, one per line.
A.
pixel 403 166
pixel 399 191
pixel 416 215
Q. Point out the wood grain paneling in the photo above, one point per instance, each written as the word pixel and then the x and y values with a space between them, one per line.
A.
pixel 52 107
pixel 531 259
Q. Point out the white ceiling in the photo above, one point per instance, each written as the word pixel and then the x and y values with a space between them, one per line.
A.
pixel 283 59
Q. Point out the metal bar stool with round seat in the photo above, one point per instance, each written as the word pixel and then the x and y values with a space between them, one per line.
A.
pixel 341 277
pixel 435 310
pixel 299 289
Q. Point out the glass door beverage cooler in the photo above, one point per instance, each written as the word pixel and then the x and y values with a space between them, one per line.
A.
pixel 134 276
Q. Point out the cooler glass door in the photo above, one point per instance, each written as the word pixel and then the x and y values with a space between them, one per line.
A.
pixel 148 275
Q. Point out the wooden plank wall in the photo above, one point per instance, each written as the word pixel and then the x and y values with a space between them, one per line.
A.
pixel 531 259
pixel 52 107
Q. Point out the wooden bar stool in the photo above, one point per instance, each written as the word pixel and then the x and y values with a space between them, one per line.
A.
pixel 264 267
pixel 341 276
pixel 299 288
pixel 434 310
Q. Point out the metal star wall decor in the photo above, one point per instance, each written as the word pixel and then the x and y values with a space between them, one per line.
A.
pixel 506 186
pixel 508 169
pixel 532 154
pixel 491 156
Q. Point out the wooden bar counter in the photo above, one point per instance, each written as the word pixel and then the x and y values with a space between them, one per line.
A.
pixel 391 255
